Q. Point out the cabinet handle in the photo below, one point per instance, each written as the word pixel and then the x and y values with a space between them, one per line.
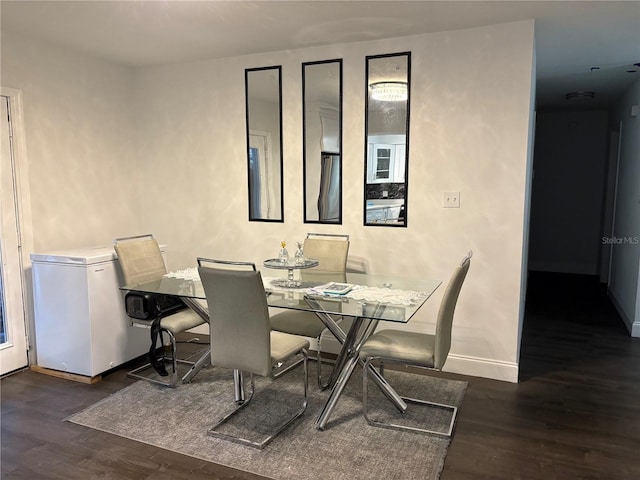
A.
pixel 99 270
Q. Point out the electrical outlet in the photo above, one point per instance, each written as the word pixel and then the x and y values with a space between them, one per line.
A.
pixel 451 200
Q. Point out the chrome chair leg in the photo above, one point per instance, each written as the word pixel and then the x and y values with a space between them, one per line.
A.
pixel 321 385
pixel 395 426
pixel 261 444
pixel 173 376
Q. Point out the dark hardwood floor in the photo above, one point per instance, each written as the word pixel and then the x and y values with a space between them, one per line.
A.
pixel 575 414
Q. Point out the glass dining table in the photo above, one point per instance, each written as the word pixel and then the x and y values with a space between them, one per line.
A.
pixel 368 300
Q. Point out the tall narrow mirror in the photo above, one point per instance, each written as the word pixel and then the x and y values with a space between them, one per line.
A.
pixel 322 141
pixel 263 90
pixel 387 139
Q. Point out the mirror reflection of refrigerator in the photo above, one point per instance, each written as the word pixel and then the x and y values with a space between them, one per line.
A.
pixel 329 198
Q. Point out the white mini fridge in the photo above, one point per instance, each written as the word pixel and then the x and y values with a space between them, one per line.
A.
pixel 80 319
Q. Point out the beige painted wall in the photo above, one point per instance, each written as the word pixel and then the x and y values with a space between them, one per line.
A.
pixel 181 128
pixel 80 142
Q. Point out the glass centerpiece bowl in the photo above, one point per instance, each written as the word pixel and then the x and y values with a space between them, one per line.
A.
pixel 290 266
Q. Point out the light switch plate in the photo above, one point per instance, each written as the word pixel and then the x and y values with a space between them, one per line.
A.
pixel 451 200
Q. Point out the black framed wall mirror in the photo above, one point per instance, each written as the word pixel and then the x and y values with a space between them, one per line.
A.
pixel 322 141
pixel 387 139
pixel 263 94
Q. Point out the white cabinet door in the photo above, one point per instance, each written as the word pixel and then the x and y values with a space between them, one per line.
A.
pixel 382 163
pixel 385 163
pixel 399 163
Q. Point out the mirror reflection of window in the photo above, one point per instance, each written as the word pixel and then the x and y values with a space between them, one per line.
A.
pixel 260 181
pixel 264 143
pixel 387 139
pixel 322 141
pixel 255 205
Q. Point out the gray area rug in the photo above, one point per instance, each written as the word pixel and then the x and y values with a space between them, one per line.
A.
pixel 347 449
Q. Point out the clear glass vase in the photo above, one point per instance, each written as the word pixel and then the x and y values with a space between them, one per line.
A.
pixel 283 255
pixel 299 254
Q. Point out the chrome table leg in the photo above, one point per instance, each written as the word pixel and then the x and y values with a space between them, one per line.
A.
pixel 347 360
pixel 336 391
pixel 204 360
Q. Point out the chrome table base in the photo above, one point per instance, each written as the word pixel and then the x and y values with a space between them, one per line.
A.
pixel 361 329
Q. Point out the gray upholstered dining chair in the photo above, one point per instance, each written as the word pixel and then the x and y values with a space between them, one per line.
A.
pixel 332 251
pixel 141 261
pixel 241 337
pixel 418 350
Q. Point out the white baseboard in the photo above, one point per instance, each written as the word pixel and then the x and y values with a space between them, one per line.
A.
pixel 482 367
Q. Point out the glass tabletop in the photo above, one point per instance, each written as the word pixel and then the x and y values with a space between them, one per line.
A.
pixel 379 297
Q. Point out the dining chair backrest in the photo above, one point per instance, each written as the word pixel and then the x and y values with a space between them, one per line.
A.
pixel 445 313
pixel 240 328
pixel 331 251
pixel 140 259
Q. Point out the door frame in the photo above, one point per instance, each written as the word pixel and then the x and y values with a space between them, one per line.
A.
pixel 23 209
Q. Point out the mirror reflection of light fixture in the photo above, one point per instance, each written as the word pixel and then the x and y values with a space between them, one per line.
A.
pixel 386 138
pixel 389 91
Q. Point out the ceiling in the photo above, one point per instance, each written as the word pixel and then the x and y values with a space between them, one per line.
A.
pixel 572 37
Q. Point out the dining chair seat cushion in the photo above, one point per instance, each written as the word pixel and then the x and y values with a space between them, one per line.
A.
pixel 406 347
pixel 284 346
pixel 295 322
pixel 181 321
